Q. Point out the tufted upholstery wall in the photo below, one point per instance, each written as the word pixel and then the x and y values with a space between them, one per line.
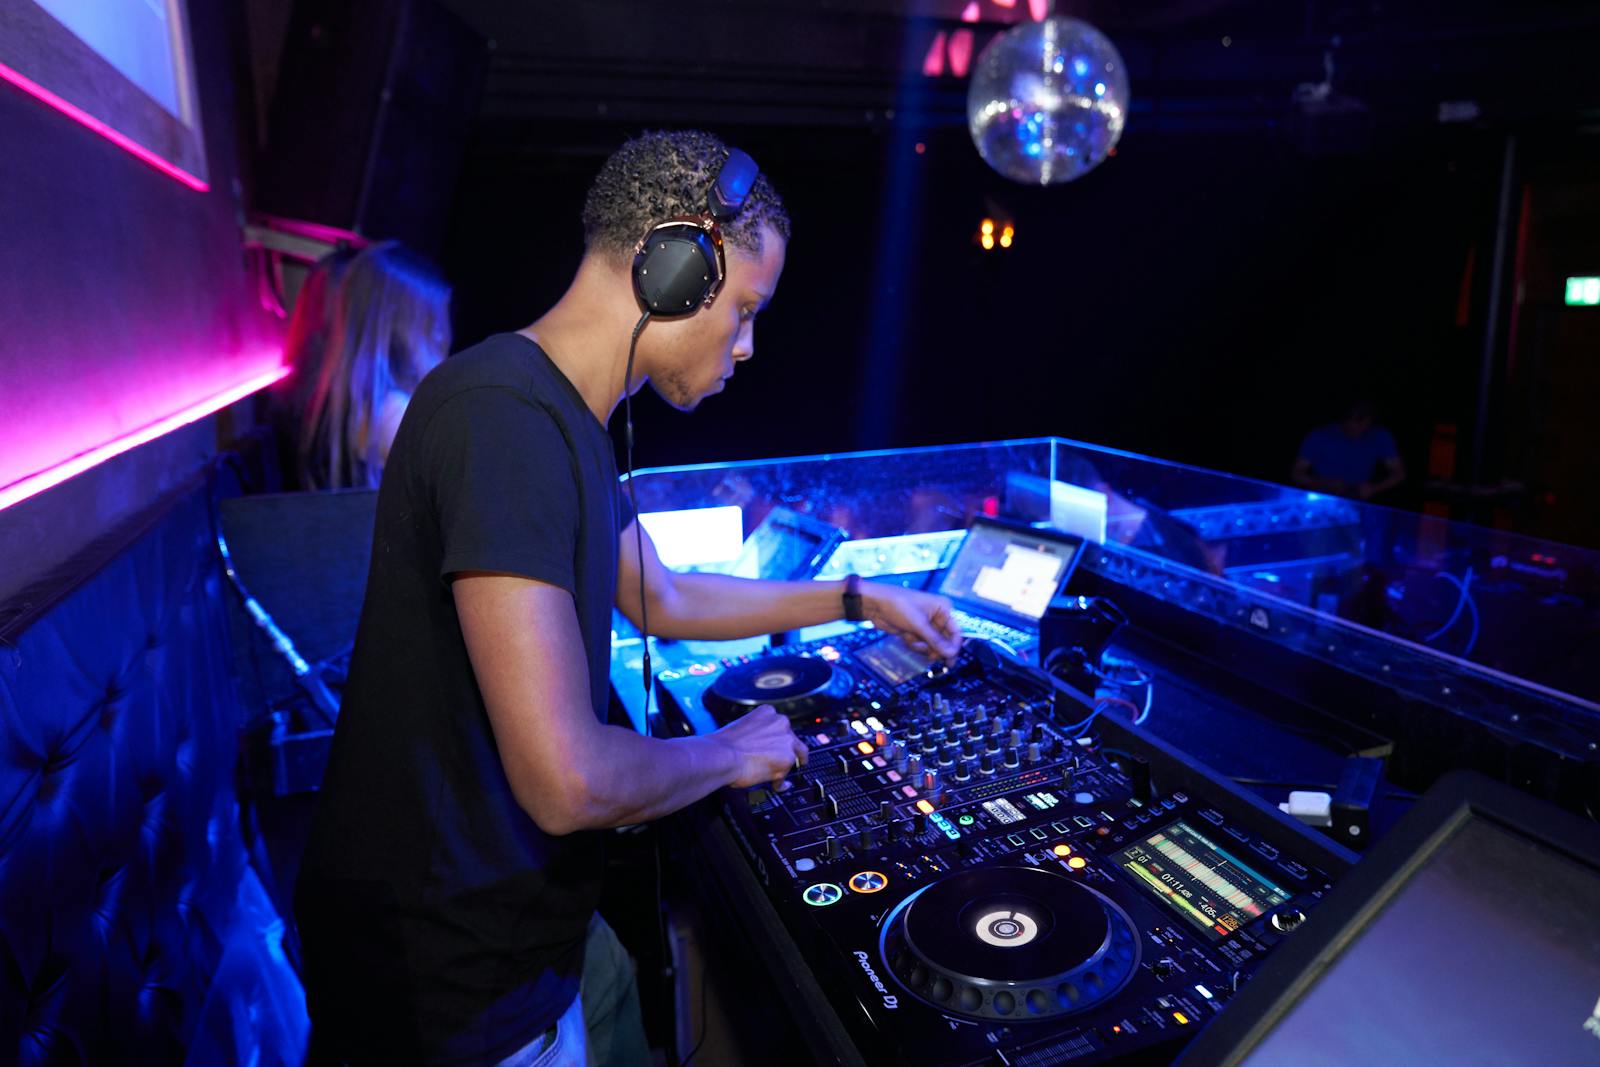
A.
pixel 132 927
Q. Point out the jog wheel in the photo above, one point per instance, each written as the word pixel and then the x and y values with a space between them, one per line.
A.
pixel 794 685
pixel 1010 943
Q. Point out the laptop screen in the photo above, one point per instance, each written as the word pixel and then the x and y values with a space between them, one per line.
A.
pixel 1008 573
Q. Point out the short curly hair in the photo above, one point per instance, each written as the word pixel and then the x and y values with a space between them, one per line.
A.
pixel 666 173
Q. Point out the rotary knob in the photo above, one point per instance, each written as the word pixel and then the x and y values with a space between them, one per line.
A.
pixel 1287 920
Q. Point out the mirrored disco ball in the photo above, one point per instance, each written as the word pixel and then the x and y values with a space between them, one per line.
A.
pixel 1048 100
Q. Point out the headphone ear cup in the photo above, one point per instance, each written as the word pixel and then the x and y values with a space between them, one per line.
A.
pixel 676 270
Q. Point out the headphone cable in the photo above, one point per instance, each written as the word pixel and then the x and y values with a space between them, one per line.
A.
pixel 638 523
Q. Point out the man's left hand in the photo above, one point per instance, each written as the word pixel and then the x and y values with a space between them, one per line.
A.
pixel 923 620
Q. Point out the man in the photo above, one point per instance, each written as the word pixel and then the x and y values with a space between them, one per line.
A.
pixel 1351 457
pixel 447 897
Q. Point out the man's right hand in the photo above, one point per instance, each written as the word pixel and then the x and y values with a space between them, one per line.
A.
pixel 763 745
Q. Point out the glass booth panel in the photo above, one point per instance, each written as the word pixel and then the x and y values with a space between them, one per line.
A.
pixel 1500 627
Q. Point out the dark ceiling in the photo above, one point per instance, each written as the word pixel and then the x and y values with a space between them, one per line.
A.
pixel 1196 65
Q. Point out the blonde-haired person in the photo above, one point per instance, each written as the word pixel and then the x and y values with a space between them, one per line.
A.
pixel 389 326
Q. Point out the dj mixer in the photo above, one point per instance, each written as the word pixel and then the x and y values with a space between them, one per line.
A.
pixel 977 867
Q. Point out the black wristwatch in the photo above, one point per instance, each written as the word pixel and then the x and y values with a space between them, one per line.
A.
pixel 854 609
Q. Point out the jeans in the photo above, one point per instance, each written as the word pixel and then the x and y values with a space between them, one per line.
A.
pixel 612 1030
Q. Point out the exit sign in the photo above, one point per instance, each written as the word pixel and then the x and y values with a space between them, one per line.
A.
pixel 1583 292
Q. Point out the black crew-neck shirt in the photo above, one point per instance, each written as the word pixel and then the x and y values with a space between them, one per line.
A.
pixel 439 924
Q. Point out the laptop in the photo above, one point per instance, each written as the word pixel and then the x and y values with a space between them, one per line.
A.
pixel 1003 577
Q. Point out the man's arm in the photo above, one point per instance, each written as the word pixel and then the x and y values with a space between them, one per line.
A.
pixel 1306 478
pixel 567 770
pixel 717 607
pixel 1394 472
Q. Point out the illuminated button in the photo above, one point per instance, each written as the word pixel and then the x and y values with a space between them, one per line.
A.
pixel 822 894
pixel 868 881
pixel 925 806
pixel 1062 850
pixel 872 721
pixel 909 791
pixel 865 748
pixel 859 727
pixel 1077 863
pixel 879 761
pixel 823 739
pixel 966 820
pixel 1183 1020
pixel 701 668
pixel 894 776
pixel 669 676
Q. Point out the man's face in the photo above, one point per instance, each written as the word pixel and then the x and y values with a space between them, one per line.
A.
pixel 694 357
pixel 1356 426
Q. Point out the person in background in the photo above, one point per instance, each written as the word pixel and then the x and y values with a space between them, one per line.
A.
pixel 310 323
pixel 386 314
pixel 1351 457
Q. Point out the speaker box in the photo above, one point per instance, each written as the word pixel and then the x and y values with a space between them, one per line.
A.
pixel 369 122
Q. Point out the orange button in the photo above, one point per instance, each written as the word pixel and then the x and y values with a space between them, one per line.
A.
pixel 1077 863
pixel 1063 849
pixel 1183 1020
pixel 865 748
pixel 925 806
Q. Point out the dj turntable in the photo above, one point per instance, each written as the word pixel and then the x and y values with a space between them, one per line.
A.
pixel 795 685
pixel 973 874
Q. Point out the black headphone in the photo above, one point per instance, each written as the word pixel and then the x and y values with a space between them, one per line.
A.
pixel 678 266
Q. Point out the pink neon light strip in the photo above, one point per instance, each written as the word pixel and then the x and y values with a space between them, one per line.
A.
pixel 34 484
pixel 77 114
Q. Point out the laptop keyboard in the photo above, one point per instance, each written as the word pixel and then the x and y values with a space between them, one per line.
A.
pixel 978 626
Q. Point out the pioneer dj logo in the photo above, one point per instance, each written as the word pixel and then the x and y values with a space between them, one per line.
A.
pixel 1592 1024
pixel 889 999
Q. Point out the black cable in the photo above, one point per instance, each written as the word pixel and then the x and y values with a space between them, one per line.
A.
pixel 1322 786
pixel 633 500
pixel 697 1044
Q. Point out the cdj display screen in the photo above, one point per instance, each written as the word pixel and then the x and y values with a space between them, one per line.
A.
pixel 1013 572
pixel 1201 881
pixel 892 660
